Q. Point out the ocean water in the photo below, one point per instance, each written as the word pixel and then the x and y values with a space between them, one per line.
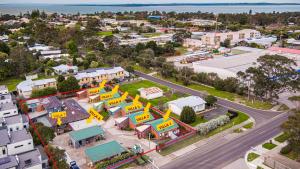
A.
pixel 69 9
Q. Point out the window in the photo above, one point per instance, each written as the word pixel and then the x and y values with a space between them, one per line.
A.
pixel 29 143
pixel 3 151
pixel 19 146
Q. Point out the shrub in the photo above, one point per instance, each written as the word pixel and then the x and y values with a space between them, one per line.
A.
pixel 188 115
pixel 205 128
pixel 43 92
pixel 140 161
pixel 286 149
pixel 232 114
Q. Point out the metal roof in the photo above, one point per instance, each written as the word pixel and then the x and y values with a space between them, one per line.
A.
pixel 86 133
pixel 132 117
pixel 155 123
pixel 190 101
pixel 103 151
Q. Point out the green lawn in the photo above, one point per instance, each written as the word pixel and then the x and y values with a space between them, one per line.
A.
pixel 186 142
pixel 149 35
pixel 269 146
pixel 132 89
pixel 181 49
pixel 252 156
pixel 282 138
pixel 141 69
pixel 248 126
pixel 105 33
pixel 11 83
pixel 225 95
pixel 199 119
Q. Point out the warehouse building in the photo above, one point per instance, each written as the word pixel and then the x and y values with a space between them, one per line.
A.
pixel 85 136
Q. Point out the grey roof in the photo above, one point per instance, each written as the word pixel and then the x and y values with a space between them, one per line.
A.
pixel 29 159
pixel 42 152
pixel 51 102
pixel 188 101
pixel 74 113
pixel 4 139
pixel 8 162
pixel 7 106
pixel 3 87
pixel 5 96
pixel 20 135
pixel 16 119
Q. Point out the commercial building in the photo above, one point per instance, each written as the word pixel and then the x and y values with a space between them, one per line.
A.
pixel 104 151
pixel 25 88
pixel 65 69
pixel 86 77
pixel 85 136
pixel 151 93
pixel 195 102
pixel 215 38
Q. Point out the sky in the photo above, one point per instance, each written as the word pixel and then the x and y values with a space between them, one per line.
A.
pixel 139 1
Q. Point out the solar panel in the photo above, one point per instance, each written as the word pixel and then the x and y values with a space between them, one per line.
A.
pixel 4 160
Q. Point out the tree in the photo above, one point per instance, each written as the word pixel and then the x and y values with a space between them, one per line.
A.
pixel 4 48
pixel 226 43
pixel 296 100
pixel 46 133
pixel 60 78
pixel 72 47
pixel 273 75
pixel 59 156
pixel 292 127
pixel 71 83
pixel 43 92
pixel 210 100
pixel 188 115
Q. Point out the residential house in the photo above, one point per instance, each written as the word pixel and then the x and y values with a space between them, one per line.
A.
pixel 74 113
pixel 5 98
pixel 160 129
pixel 17 122
pixel 44 157
pixel 65 69
pixel 194 43
pixel 195 102
pixel 30 160
pixel 8 109
pixel 51 104
pixel 87 77
pixel 3 89
pixel 26 87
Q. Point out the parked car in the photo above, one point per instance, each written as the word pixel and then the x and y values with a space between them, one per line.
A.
pixel 73 165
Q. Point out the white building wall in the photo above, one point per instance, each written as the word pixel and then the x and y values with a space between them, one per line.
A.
pixel 38 166
pixel 16 127
pixel 151 96
pixel 8 113
pixel 175 109
pixel 20 147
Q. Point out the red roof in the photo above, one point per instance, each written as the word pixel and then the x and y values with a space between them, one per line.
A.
pixel 285 50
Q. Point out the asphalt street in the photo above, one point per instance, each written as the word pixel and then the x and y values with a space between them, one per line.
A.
pixel 219 153
pixel 259 115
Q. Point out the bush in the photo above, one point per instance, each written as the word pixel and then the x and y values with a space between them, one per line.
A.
pixel 140 161
pixel 188 115
pixel 232 114
pixel 205 128
pixel 286 149
pixel 43 92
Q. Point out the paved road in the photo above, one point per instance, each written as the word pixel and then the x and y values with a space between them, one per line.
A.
pixel 218 154
pixel 259 115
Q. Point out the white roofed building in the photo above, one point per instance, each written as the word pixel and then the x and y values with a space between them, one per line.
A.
pixel 26 87
pixel 65 69
pixel 151 93
pixel 86 77
pixel 195 102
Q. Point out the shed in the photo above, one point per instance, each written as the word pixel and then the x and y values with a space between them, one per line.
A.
pixel 104 151
pixel 84 136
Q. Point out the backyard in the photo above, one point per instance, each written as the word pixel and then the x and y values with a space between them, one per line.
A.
pixel 132 89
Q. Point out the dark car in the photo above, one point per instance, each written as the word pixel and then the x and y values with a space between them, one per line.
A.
pixel 73 165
